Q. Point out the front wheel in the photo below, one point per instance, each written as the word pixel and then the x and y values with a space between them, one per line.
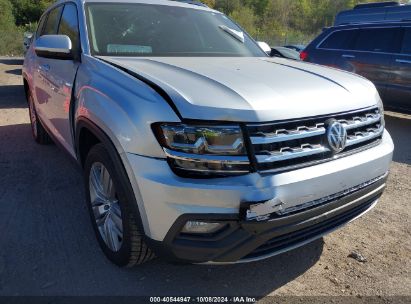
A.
pixel 109 203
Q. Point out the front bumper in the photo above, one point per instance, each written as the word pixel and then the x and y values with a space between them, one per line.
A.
pixel 167 201
pixel 246 241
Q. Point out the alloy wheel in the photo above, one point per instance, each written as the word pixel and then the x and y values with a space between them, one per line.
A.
pixel 105 206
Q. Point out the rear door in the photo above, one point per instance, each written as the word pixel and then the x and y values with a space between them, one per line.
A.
pixel 371 55
pixel 59 76
pixel 334 45
pixel 398 93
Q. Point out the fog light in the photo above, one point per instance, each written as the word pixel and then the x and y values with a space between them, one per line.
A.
pixel 201 227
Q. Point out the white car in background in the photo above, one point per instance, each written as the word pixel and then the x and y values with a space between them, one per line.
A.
pixel 27 41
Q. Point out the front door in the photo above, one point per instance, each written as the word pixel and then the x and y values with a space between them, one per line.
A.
pixel 372 53
pixel 58 78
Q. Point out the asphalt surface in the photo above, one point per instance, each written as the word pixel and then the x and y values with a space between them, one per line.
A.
pixel 47 245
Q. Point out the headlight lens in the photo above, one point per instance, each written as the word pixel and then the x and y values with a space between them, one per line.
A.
pixel 204 140
pixel 381 109
pixel 204 150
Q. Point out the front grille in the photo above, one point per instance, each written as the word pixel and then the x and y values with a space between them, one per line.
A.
pixel 288 145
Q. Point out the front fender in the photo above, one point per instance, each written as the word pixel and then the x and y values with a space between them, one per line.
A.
pixel 123 107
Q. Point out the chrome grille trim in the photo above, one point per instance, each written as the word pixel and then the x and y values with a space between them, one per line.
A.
pixel 284 135
pixel 360 137
pixel 293 144
pixel 358 121
pixel 290 153
pixel 321 161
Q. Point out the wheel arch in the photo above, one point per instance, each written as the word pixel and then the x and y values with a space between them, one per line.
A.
pixel 26 87
pixel 88 134
pixel 92 134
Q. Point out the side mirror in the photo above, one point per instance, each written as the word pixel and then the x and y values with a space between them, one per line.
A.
pixel 54 47
pixel 265 47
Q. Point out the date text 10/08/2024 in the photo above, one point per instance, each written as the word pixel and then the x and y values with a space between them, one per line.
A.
pixel 239 299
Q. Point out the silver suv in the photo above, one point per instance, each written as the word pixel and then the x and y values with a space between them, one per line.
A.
pixel 195 145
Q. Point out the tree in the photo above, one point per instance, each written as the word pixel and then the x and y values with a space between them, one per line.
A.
pixel 228 6
pixel 28 11
pixel 6 15
pixel 209 3
pixel 245 16
pixel 274 21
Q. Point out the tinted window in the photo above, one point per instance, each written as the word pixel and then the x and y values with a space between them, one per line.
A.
pixel 69 25
pixel 41 25
pixel 406 44
pixel 340 40
pixel 378 40
pixel 52 21
pixel 163 30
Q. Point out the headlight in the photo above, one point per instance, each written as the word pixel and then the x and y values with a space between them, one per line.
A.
pixel 204 150
pixel 381 110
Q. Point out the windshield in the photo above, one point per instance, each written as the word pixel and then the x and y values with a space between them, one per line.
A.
pixel 166 31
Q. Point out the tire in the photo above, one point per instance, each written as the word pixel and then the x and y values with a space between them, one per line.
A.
pixel 40 135
pixel 108 202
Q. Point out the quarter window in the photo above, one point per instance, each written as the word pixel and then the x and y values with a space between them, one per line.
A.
pixel 386 40
pixel 340 40
pixel 52 21
pixel 69 25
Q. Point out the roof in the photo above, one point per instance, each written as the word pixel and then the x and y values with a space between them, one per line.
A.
pixel 372 24
pixel 375 12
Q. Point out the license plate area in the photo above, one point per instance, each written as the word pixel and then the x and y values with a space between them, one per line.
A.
pixel 261 211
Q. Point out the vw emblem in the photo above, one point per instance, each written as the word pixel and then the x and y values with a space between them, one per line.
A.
pixel 336 136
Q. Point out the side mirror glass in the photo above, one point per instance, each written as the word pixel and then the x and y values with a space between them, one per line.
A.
pixel 54 47
pixel 265 47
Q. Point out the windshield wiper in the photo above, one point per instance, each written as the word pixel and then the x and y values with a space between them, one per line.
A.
pixel 233 33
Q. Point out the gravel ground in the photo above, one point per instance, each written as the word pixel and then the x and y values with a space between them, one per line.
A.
pixel 47 246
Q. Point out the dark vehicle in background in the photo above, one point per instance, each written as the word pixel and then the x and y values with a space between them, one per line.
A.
pixel 372 47
pixel 375 12
pixel 379 51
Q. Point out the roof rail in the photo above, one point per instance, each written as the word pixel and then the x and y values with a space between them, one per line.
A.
pixel 375 12
pixel 377 4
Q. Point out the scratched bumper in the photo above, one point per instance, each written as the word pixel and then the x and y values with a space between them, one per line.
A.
pixel 164 197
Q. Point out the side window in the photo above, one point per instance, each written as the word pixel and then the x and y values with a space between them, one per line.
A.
pixel 340 40
pixel 69 25
pixel 52 21
pixel 385 40
pixel 41 25
pixel 406 43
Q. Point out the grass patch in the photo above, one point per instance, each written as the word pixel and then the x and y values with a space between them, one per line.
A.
pixel 11 42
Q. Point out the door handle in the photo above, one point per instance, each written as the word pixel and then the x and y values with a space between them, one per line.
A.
pixel 403 61
pixel 44 67
pixel 348 56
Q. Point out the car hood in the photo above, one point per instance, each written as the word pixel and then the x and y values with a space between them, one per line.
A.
pixel 251 89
